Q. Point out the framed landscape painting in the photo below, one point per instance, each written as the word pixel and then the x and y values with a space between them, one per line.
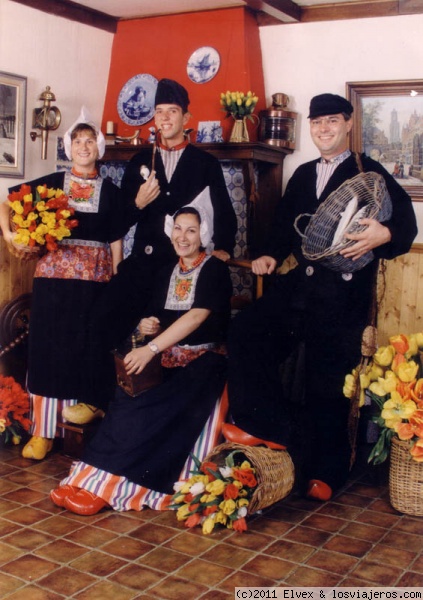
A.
pixel 12 124
pixel 388 126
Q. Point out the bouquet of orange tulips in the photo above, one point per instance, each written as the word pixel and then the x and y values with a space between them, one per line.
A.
pixel 394 382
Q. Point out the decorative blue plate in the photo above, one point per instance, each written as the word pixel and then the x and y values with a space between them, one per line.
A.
pixel 136 99
pixel 203 64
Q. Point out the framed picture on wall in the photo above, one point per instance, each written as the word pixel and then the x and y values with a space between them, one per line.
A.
pixel 388 126
pixel 12 125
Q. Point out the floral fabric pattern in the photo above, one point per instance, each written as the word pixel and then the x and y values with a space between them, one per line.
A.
pixel 77 262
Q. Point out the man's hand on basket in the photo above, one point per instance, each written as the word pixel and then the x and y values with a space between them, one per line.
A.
pixel 373 236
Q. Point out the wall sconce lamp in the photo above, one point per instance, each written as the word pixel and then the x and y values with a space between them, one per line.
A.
pixel 47 118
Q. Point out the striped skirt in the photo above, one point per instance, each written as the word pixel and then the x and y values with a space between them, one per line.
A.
pixel 122 494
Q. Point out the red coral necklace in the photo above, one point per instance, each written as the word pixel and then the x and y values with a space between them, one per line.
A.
pixel 183 267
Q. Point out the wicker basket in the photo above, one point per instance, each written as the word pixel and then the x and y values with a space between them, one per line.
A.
pixel 274 472
pixel 369 194
pixel 405 480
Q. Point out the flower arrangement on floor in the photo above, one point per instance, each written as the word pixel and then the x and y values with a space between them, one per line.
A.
pixel 14 408
pixel 216 495
pixel 43 220
pixel 394 382
pixel 238 105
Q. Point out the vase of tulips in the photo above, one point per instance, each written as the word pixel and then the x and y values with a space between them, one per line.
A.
pixel 240 106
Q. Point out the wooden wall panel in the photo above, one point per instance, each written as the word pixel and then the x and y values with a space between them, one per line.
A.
pixel 401 308
pixel 15 275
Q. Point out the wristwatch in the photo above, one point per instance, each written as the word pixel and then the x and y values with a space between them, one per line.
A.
pixel 153 347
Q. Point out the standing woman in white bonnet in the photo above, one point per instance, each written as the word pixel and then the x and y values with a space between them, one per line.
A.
pixel 68 281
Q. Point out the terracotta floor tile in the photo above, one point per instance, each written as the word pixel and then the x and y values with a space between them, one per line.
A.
pixel 6 527
pixel 26 515
pixel 116 522
pixel 353 500
pixel 332 509
pixel 306 577
pixel 319 521
pixel 91 536
pixel 244 579
pixel 270 527
pixel 24 496
pixel 290 550
pixel 9 584
pixel 106 590
pixel 388 555
pixel 417 565
pixel 191 545
pixel 306 535
pixel 7 506
pixel 127 548
pixel 385 575
pixel 410 525
pixel 33 592
pixel 66 580
pixel 61 551
pixel 8 553
pixel 410 579
pixel 287 513
pixel 24 478
pixel 28 539
pixel 57 525
pixel 383 505
pixel 7 486
pixel 269 567
pixel 332 562
pixel 29 568
pixel 406 541
pixel 250 540
pixel 175 588
pixel 217 595
pixel 203 572
pixel 364 532
pixel 350 546
pixel 224 554
pixel 136 577
pixel 155 534
pixel 164 559
pixel 97 563
pixel 379 519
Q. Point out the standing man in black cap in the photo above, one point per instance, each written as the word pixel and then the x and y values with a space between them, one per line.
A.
pixel 310 306
pixel 157 182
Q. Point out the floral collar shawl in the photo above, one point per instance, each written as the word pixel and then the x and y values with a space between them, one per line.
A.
pixel 84 194
pixel 181 292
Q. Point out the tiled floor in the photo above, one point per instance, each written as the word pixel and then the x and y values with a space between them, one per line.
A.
pixel 47 553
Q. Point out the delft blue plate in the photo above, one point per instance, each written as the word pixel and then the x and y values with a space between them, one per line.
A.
pixel 136 99
pixel 203 64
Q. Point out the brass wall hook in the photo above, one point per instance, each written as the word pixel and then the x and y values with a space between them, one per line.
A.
pixel 47 118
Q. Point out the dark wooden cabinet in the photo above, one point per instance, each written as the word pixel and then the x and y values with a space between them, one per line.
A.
pixel 262 196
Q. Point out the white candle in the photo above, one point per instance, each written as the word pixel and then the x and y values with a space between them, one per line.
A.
pixel 110 127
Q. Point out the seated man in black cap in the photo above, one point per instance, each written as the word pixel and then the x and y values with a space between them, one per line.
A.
pixel 157 182
pixel 314 308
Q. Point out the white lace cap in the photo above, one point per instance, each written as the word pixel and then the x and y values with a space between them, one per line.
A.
pixel 202 203
pixel 84 117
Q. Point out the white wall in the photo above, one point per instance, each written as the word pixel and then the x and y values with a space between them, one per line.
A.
pixel 306 59
pixel 73 59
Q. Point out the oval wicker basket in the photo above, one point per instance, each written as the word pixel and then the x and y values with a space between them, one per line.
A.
pixel 405 480
pixel 274 472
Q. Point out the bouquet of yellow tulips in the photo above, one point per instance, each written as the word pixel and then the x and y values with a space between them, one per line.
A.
pixel 394 382
pixel 216 495
pixel 238 105
pixel 40 219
